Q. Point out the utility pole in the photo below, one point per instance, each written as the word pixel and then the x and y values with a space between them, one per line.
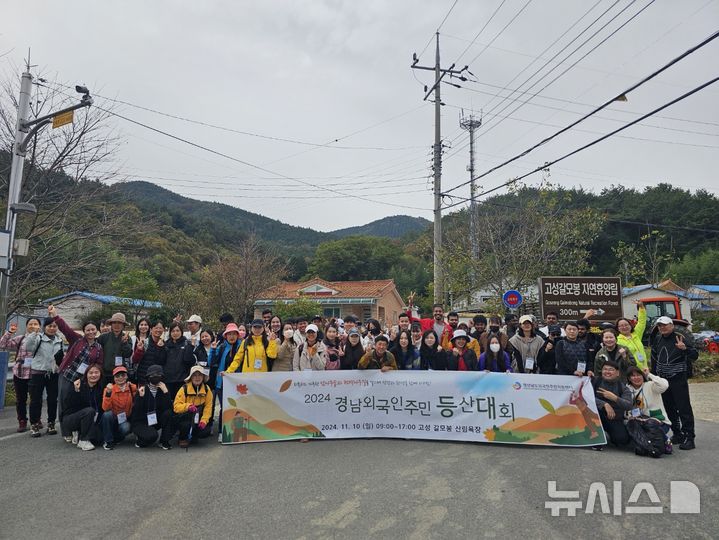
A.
pixel 470 124
pixel 439 74
pixel 25 130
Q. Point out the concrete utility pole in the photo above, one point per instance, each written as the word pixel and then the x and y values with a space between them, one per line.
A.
pixel 470 124
pixel 439 74
pixel 25 130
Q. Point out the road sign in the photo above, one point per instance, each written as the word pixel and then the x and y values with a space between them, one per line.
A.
pixel 61 119
pixel 570 297
pixel 512 299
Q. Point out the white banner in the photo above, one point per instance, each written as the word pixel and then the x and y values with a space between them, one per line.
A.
pixel 552 410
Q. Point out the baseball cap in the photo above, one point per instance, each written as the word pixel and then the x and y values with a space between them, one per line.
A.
pixel 526 318
pixel 258 322
pixel 311 328
pixel 195 318
pixel 353 332
pixel 664 320
pixel 119 369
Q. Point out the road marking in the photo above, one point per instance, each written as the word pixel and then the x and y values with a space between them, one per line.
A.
pixel 12 436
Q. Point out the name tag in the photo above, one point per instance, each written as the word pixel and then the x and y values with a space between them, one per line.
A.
pixel 151 419
pixel 529 363
pixel 197 418
pixel 118 361
pixel 121 418
pixel 582 366
pixel 258 363
pixel 636 412
pixel 82 368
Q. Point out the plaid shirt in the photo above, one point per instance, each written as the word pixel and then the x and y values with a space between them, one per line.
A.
pixel 21 367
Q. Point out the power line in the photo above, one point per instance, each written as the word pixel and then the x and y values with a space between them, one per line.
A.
pixel 480 32
pixel 596 141
pixel 618 97
pixel 501 31
pixel 446 16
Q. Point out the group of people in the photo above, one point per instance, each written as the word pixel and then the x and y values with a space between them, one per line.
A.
pixel 166 381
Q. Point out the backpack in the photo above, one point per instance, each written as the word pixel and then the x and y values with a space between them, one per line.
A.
pixel 647 437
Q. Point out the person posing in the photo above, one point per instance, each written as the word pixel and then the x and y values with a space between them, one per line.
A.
pixel 631 338
pixel 139 340
pixel 495 358
pixel 22 368
pixel 117 408
pixel 647 390
pixel 378 357
pixel 152 411
pixel 179 359
pixel 406 356
pixel 613 399
pixel 547 361
pixel 436 323
pixel 193 408
pixel 494 329
pixel 82 409
pixel 116 346
pixel 275 325
pixel 310 354
pixel 527 346
pixel 286 348
pixel 460 358
pixel 352 350
pixel 221 355
pixel 592 341
pixel 670 358
pixel 333 347
pixel 46 348
pixel 82 353
pixel 150 353
pixel 570 354
pixel 201 351
pixel 431 354
pixel 194 327
pixel 611 351
pixel 257 352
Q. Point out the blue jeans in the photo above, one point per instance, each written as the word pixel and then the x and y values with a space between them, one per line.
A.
pixel 112 431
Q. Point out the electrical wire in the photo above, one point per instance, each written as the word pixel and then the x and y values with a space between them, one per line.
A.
pixel 471 43
pixel 501 31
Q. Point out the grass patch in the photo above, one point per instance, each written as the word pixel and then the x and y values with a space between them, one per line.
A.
pixel 706 368
pixel 9 395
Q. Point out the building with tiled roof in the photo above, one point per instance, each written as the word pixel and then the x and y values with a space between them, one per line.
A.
pixel 375 298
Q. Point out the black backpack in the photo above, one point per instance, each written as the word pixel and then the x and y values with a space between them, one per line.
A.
pixel 647 437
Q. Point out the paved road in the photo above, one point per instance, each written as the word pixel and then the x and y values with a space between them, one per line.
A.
pixel 347 489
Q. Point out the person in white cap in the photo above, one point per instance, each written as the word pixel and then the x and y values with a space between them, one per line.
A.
pixel 311 354
pixel 528 346
pixel 194 329
pixel 671 359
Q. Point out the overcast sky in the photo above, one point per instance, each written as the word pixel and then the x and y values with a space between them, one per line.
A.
pixel 317 71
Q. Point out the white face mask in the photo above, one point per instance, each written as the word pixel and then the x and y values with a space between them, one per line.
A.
pixel 289 333
pixel 494 347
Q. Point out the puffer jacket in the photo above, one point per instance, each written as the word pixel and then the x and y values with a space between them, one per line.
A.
pixel 179 359
pixel 44 358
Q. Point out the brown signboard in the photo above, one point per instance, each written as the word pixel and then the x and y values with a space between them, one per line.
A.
pixel 571 297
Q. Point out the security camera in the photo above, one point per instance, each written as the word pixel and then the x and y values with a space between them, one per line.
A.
pixel 81 89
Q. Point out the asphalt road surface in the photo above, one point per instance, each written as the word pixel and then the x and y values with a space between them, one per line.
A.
pixel 345 489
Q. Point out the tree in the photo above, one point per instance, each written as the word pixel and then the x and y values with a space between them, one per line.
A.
pixel 302 307
pixel 630 262
pixel 702 268
pixel 355 258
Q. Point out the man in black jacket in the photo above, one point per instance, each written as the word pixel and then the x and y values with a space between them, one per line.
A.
pixel 613 399
pixel 671 357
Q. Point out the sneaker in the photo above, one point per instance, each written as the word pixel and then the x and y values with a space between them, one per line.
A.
pixel 688 444
pixel 108 446
pixel 85 445
pixel 51 428
pixel 668 447
pixel 166 445
pixel 67 439
pixel 35 430
pixel 75 437
pixel 677 438
pixel 21 426
pixel 137 445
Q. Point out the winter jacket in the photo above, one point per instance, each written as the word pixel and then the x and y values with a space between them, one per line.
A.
pixel 143 405
pixel 532 348
pixel 253 349
pixel 408 359
pixel 468 356
pixel 370 360
pixel 23 358
pixel 352 355
pixel 667 359
pixel 201 397
pixel 77 400
pixel 44 348
pixel 285 354
pixel 432 359
pixel 112 347
pixel 634 342
pixel 72 360
pixel 200 353
pixel 568 354
pixel 648 398
pixel 221 357
pixel 178 361
pixel 150 355
pixel 500 363
pixel 624 401
pixel 119 400
pixel 625 361
pixel 310 358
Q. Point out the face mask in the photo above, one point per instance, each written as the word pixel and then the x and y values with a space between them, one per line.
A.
pixel 288 333
pixel 494 329
pixel 374 331
pixel 494 347
pixel 154 380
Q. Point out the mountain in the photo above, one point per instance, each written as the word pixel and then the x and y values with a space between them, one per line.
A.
pixel 389 227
